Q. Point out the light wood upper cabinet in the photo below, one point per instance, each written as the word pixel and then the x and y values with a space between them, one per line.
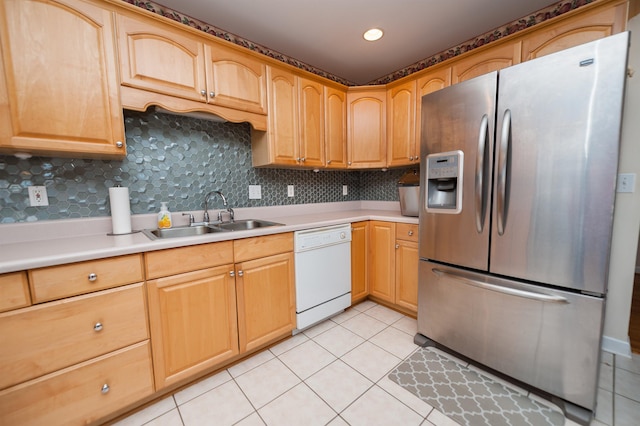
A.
pixel 193 322
pixel 359 273
pixel 428 82
pixel 279 144
pixel 367 127
pixel 485 61
pixel 311 115
pixel 335 125
pixel 402 146
pixel 59 94
pixel 576 30
pixel 173 68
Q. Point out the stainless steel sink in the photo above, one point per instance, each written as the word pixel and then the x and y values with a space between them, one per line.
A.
pixel 191 231
pixel 181 231
pixel 243 225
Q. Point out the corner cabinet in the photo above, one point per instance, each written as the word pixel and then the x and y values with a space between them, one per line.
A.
pixel 367 127
pixel 59 93
pixel 403 147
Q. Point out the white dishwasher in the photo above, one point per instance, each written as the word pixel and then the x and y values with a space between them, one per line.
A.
pixel 323 273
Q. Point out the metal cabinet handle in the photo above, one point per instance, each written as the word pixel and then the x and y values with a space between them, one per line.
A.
pixel 240 273
pixel 105 389
pixel 92 277
pixel 98 326
pixel 212 94
pixel 203 92
pixel 232 273
pixel 119 144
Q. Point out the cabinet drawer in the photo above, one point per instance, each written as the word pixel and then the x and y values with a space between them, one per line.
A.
pixel 14 291
pixel 77 395
pixel 254 248
pixel 174 261
pixel 57 282
pixel 407 232
pixel 44 338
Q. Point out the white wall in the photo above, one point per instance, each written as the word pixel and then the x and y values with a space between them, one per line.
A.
pixel 626 221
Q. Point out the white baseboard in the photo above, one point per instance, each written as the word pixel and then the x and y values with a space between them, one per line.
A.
pixel 616 346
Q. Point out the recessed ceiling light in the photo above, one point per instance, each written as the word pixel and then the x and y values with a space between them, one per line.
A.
pixel 373 34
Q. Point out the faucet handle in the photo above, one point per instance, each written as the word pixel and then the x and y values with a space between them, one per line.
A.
pixel 191 218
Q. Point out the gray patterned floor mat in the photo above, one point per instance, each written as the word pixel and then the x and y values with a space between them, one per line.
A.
pixel 466 396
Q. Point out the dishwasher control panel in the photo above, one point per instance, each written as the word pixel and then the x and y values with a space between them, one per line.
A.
pixel 319 237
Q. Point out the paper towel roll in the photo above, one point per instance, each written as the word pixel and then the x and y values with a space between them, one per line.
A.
pixel 120 210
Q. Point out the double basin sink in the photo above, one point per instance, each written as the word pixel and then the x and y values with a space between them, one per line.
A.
pixel 193 230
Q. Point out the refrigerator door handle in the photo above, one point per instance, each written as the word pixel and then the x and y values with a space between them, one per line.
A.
pixel 503 155
pixel 480 196
pixel 500 289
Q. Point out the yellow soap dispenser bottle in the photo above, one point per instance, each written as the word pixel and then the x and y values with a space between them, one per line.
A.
pixel 164 217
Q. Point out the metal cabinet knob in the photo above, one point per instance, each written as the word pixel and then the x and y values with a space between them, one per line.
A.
pixel 92 277
pixel 203 92
pixel 349 163
pixel 105 389
pixel 304 159
pixel 328 161
pixel 119 144
pixel 397 246
pixel 232 273
pixel 97 326
pixel 410 233
pixel 240 273
pixel 212 94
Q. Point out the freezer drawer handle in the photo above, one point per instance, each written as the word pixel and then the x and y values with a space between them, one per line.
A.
pixel 500 289
pixel 503 155
pixel 481 204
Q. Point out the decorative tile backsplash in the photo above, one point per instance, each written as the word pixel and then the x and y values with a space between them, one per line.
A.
pixel 175 159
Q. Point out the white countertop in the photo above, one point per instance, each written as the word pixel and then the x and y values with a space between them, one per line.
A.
pixel 48 243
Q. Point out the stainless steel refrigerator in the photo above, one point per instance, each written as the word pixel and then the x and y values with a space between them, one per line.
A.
pixel 518 180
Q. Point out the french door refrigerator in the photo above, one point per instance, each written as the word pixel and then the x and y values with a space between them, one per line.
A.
pixel 517 192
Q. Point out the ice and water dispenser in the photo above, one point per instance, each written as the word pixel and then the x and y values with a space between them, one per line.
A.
pixel 444 182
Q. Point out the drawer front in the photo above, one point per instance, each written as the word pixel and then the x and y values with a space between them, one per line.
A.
pixel 257 247
pixel 174 261
pixel 14 291
pixel 407 232
pixel 44 338
pixel 57 282
pixel 78 395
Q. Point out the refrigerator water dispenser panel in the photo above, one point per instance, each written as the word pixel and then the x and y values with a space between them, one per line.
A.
pixel 444 182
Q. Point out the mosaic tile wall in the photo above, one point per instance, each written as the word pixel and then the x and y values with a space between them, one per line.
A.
pixel 175 159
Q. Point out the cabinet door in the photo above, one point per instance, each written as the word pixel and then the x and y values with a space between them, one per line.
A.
pixel 401 125
pixel 161 59
pixel 311 114
pixel 407 274
pixel 382 259
pixel 367 131
pixel 266 300
pixel 335 127
pixel 193 322
pixel 574 31
pixel 428 83
pixel 487 60
pixel 235 80
pixel 59 93
pixel 359 239
pixel 14 291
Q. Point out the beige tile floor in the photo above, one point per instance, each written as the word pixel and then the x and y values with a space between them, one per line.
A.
pixel 336 374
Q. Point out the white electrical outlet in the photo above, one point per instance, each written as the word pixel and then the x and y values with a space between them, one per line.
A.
pixel 255 192
pixel 290 191
pixel 38 196
pixel 345 190
pixel 626 182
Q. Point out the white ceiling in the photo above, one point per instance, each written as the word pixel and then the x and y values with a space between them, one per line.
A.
pixel 327 34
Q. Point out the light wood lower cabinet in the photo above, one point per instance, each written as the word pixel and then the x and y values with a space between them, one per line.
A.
pixel 266 300
pixel 193 322
pixel 359 273
pixel 407 258
pixel 382 260
pixel 14 291
pixel 82 394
